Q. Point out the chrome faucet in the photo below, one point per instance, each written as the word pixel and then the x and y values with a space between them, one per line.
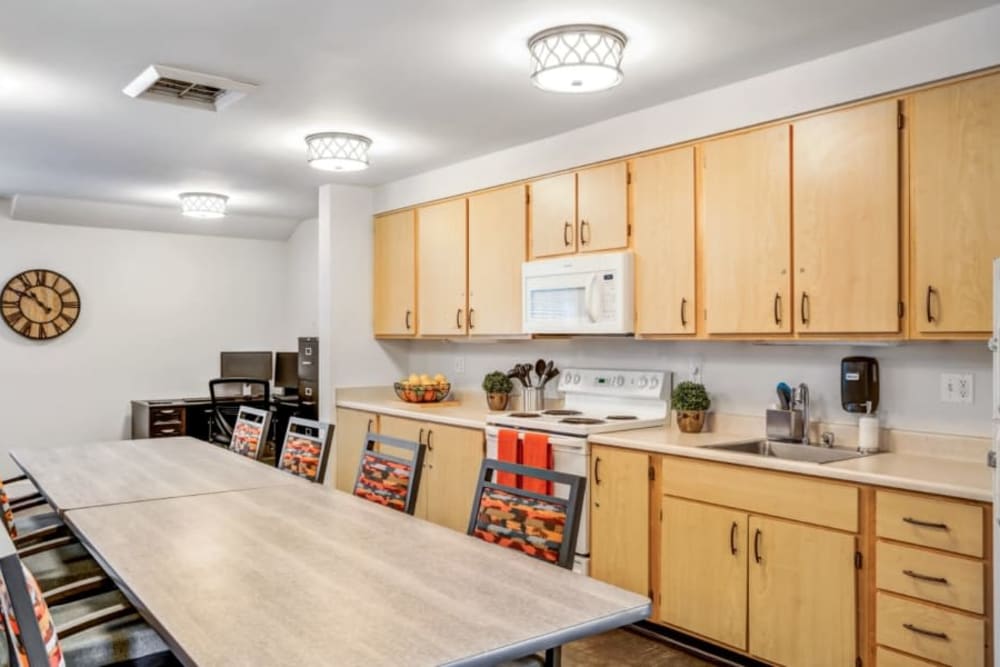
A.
pixel 800 401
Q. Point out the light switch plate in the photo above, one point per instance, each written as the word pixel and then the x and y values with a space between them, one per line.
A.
pixel 460 364
pixel 957 388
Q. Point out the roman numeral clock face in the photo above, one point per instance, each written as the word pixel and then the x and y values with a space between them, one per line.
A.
pixel 40 304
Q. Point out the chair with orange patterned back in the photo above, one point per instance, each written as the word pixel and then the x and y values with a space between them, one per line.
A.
pixel 250 432
pixel 306 448
pixel 540 525
pixel 388 479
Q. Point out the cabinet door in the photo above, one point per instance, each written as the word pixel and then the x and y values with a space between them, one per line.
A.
pixel 414 431
pixel 619 518
pixel 454 457
pixel 553 216
pixel 351 429
pixel 747 232
pixel 663 226
pixel 703 570
pixel 395 279
pixel 802 593
pixel 603 207
pixel 955 196
pixel 497 243
pixel 441 268
pixel 846 212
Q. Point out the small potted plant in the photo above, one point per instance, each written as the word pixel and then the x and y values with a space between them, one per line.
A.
pixel 690 400
pixel 497 387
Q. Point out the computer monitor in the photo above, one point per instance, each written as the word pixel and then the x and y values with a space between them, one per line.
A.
pixel 254 365
pixel 286 370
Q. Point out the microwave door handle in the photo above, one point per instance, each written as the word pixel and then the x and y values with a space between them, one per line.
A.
pixel 589 298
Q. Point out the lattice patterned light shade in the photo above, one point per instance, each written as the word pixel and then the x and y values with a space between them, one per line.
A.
pixel 337 151
pixel 577 58
pixel 203 204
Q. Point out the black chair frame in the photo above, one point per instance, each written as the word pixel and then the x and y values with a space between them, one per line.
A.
pixel 263 417
pixel 416 463
pixel 221 428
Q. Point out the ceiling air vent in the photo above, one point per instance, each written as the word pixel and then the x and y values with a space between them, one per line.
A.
pixel 192 89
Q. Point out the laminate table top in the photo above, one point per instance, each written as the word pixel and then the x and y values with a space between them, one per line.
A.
pixel 305 575
pixel 125 471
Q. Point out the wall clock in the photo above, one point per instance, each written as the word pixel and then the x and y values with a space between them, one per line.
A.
pixel 40 304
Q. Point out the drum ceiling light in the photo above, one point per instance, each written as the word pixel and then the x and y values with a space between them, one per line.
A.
pixel 203 205
pixel 337 151
pixel 580 58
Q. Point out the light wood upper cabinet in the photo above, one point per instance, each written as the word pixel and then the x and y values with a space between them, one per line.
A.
pixel 955 199
pixel 441 268
pixel 663 220
pixel 846 213
pixel 394 289
pixel 602 207
pixel 497 246
pixel 619 518
pixel 352 427
pixel 747 232
pixel 703 570
pixel 802 594
pixel 553 216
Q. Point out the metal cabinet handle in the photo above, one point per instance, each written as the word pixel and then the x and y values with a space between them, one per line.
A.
pixel 684 303
pixel 168 430
pixel 472 323
pixel 584 238
pixel 777 308
pixel 926 633
pixel 756 545
pixel 803 308
pixel 930 292
pixel 371 422
pixel 925 524
pixel 924 577
pixel 567 228
pixel 167 412
pixel 732 538
pixel 409 314
pixel 430 444
pixel 458 319
pixel 597 470
pixel 420 437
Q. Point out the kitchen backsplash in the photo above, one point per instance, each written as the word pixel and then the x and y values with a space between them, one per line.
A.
pixel 741 376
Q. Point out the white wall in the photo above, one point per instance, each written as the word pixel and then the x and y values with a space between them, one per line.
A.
pixel 302 287
pixel 944 49
pixel 741 376
pixel 156 311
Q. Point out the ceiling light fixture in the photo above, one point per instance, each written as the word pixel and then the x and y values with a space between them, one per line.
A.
pixel 337 151
pixel 203 205
pixel 580 58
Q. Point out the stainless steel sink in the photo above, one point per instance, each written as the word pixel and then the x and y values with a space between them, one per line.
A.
pixel 789 450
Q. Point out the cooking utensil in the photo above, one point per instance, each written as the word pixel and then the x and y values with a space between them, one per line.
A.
pixel 550 373
pixel 526 374
pixel 540 371
pixel 784 395
pixel 515 374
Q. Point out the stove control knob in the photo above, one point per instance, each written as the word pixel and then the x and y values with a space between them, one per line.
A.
pixel 620 381
pixel 576 378
pixel 654 382
pixel 643 382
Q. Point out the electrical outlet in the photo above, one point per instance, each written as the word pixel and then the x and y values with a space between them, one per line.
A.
pixel 957 388
pixel 459 365
pixel 694 369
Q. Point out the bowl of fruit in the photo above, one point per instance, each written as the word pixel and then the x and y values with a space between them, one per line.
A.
pixel 423 388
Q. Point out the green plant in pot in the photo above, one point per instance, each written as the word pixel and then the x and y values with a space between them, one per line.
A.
pixel 690 401
pixel 497 387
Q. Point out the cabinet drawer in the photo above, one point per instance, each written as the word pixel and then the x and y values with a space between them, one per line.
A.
pixel 948 580
pixel 166 430
pixel 790 496
pixel 888 658
pixel 165 415
pixel 930 522
pixel 950 637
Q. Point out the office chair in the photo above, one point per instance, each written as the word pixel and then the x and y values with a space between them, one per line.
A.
pixel 227 399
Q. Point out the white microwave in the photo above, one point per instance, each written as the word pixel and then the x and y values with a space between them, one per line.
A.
pixel 580 294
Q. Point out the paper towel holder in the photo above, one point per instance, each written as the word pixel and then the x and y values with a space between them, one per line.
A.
pixel 859 384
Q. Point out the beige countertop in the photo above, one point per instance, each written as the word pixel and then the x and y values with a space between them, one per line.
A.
pixel 968 479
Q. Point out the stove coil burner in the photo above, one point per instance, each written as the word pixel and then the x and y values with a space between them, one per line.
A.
pixel 621 417
pixel 524 415
pixel 562 413
pixel 581 420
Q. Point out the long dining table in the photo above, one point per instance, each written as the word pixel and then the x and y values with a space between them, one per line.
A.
pixel 301 574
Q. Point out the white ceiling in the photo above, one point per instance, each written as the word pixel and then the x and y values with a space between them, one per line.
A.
pixel 431 81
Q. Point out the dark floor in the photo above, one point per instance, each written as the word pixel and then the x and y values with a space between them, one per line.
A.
pixel 625 649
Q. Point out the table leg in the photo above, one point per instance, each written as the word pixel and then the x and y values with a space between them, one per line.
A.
pixel 553 657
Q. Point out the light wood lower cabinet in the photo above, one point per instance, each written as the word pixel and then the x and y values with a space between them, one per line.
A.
pixel 452 459
pixel 351 428
pixel 619 517
pixel 703 580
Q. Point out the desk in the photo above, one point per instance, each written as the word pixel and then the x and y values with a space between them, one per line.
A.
pixel 127 471
pixel 303 575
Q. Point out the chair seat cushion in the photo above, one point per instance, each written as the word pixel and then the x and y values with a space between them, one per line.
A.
pixel 57 567
pixel 124 639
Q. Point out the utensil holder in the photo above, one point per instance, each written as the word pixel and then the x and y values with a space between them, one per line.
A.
pixel 532 399
pixel 785 425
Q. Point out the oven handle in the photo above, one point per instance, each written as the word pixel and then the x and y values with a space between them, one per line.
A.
pixel 554 440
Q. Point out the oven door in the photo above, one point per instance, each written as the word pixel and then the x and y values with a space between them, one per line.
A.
pixel 570 455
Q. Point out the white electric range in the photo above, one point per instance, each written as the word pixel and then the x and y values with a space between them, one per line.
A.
pixel 595 401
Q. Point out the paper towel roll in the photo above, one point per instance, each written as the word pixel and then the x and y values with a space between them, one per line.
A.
pixel 868 434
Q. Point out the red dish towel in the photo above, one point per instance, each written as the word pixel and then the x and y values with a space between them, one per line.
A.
pixel 537 453
pixel 509 451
